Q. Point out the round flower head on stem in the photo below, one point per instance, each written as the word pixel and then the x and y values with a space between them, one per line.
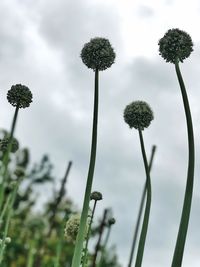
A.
pixel 4 143
pixel 71 228
pixel 98 54
pixel 175 45
pixel 19 96
pixel 138 114
pixel 96 196
pixel 111 221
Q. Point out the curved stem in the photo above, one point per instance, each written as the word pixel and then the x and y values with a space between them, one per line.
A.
pixel 141 208
pixel 182 233
pixel 143 234
pixel 88 234
pixel 81 233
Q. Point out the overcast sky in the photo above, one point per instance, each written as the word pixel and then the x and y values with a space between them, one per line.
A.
pixel 40 44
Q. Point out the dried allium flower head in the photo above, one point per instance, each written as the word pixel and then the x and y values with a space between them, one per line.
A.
pixel 138 114
pixel 175 45
pixel 71 228
pixel 98 54
pixel 19 96
pixel 111 221
pixel 5 142
pixel 96 196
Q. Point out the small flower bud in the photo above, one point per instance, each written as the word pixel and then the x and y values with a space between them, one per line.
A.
pixel 175 45
pixel 98 54
pixel 7 240
pixel 111 221
pixel 138 114
pixel 5 142
pixel 96 196
pixel 19 96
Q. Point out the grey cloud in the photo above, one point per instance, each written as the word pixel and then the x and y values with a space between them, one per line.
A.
pixel 145 11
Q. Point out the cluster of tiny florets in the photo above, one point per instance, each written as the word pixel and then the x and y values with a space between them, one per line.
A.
pixel 19 96
pixel 175 45
pixel 4 143
pixel 98 54
pixel 71 228
pixel 138 114
pixel 96 196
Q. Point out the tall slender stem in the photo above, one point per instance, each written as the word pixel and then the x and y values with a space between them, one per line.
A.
pixel 135 235
pixel 143 234
pixel 100 237
pixel 82 228
pixel 4 168
pixel 104 246
pixel 89 233
pixel 58 199
pixel 182 233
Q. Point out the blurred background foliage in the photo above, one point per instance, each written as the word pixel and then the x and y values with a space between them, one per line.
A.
pixel 37 233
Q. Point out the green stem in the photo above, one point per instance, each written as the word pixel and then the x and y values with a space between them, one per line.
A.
pixel 4 167
pixel 31 255
pixel 7 223
pixel 143 234
pixel 88 234
pixel 141 208
pixel 82 228
pixel 104 246
pixel 182 233
pixel 58 253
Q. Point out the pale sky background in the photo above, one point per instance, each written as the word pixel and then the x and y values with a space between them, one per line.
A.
pixel 40 44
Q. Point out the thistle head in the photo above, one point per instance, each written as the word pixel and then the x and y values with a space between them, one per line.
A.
pixel 71 228
pixel 96 196
pixel 4 143
pixel 138 114
pixel 98 54
pixel 111 221
pixel 175 45
pixel 19 96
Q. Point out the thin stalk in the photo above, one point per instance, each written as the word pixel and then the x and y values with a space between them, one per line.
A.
pixel 183 227
pixel 82 228
pixel 4 167
pixel 5 207
pixel 89 233
pixel 141 208
pixel 31 255
pixel 143 234
pixel 7 223
pixel 97 247
pixel 104 246
pixel 58 199
pixel 58 253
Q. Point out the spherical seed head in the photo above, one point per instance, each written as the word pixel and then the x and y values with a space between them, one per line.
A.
pixel 175 45
pixel 138 114
pixel 111 221
pixel 96 196
pixel 71 228
pixel 98 54
pixel 5 142
pixel 19 96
